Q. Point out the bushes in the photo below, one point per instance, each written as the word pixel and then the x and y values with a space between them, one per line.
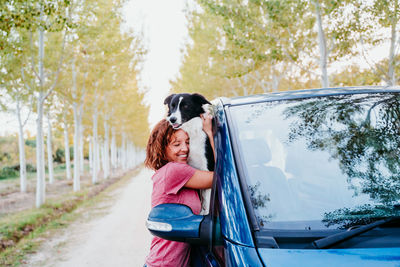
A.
pixel 13 171
pixel 8 172
pixel 59 156
pixel 30 168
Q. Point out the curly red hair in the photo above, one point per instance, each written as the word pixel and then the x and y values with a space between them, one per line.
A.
pixel 157 145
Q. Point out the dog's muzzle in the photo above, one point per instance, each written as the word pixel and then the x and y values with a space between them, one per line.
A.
pixel 172 120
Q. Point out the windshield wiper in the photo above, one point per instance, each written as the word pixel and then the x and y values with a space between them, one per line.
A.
pixel 331 240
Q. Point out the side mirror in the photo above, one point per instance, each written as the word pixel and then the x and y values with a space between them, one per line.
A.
pixel 177 222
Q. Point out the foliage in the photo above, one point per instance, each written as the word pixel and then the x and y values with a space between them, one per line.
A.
pixel 249 47
pixel 30 142
pixel 8 172
pixel 60 155
pixel 26 15
pixel 361 133
pixel 360 215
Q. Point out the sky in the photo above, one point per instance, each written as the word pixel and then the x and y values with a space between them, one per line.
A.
pixel 163 25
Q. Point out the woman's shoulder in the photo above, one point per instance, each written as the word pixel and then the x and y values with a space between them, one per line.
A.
pixel 174 168
pixel 170 166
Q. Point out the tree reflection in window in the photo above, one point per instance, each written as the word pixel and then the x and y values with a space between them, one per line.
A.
pixel 363 133
pixel 259 201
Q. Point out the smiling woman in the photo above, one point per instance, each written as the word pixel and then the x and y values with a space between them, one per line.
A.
pixel 173 182
pixel 178 148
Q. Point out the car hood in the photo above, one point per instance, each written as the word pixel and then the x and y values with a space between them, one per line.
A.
pixel 330 257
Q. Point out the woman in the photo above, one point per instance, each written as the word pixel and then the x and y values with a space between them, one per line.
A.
pixel 174 182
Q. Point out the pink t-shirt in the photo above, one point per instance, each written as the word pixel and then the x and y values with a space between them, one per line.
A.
pixel 168 184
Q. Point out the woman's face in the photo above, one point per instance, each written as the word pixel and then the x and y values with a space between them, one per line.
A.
pixel 178 147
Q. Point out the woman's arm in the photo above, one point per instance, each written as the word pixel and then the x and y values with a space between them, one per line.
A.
pixel 203 179
pixel 200 180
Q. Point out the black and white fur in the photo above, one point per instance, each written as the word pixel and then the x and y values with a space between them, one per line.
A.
pixel 184 112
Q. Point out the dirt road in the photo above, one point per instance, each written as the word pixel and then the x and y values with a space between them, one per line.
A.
pixel 117 238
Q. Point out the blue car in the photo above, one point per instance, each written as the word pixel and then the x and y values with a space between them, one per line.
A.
pixel 302 178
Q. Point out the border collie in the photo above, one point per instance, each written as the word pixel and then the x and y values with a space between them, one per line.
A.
pixel 184 112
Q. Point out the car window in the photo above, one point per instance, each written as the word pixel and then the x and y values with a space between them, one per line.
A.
pixel 322 162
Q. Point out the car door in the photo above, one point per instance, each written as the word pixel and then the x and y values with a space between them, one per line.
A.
pixel 212 254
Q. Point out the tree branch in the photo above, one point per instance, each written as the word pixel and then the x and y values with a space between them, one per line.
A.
pixel 33 64
pixel 374 65
pixel 58 68
pixel 24 80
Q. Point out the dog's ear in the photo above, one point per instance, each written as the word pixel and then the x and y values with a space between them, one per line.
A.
pixel 168 99
pixel 198 98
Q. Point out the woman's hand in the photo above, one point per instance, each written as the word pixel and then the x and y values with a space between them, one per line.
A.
pixel 207 124
pixel 207 128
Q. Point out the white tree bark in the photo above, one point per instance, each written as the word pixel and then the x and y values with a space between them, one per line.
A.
pixel 21 147
pixel 50 151
pixel 102 157
pixel 392 60
pixel 40 182
pixel 123 152
pixel 40 172
pixel 41 96
pixel 106 149
pixel 90 155
pixel 323 60
pixel 113 149
pixel 77 178
pixel 96 156
pixel 66 145
pixel 81 144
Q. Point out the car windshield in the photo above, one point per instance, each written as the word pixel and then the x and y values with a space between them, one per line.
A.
pixel 323 162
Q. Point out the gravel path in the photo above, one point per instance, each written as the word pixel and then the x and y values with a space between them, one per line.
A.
pixel 118 238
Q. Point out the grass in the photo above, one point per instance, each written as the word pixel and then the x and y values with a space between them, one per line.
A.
pixel 23 232
pixel 59 172
pixel 11 183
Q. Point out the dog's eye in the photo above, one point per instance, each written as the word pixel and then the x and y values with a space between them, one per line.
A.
pixel 185 106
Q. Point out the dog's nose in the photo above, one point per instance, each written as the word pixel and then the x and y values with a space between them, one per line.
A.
pixel 172 119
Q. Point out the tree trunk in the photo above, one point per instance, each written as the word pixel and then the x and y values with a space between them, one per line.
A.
pixel 40 182
pixel 123 150
pixel 392 61
pixel 102 158
pixel 95 145
pixel 21 147
pixel 106 150
pixel 323 62
pixel 113 150
pixel 81 139
pixel 90 155
pixel 66 145
pixel 40 172
pixel 77 178
pixel 50 151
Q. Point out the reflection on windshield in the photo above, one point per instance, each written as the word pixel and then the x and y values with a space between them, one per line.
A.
pixel 322 162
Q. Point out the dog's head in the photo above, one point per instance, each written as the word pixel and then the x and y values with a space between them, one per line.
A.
pixel 184 107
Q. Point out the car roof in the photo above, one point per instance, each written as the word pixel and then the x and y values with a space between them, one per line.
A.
pixel 309 93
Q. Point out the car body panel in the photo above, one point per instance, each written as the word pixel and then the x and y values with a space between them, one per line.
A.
pixel 237 255
pixel 232 206
pixel 331 257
